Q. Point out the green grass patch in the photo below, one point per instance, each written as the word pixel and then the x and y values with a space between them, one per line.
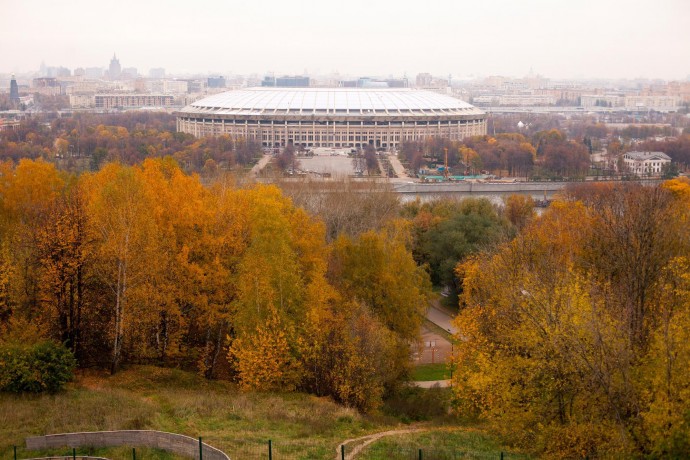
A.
pixel 103 452
pixel 430 372
pixel 438 444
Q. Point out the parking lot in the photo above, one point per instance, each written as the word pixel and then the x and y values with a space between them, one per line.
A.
pixel 336 165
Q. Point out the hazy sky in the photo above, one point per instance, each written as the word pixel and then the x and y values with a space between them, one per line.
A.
pixel 557 38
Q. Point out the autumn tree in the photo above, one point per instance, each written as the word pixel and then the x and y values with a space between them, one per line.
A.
pixel 64 253
pixel 519 210
pixel 570 334
pixel 349 355
pixel 122 229
pixel 370 160
pixel 346 207
pixel 448 231
pixel 377 270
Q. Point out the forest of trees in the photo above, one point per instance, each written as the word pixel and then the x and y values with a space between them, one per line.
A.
pixel 87 141
pixel 547 154
pixel 144 264
pixel 574 336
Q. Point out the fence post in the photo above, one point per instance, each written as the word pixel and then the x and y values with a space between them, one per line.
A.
pixel 134 454
pixel 74 453
pixel 201 450
pixel 270 450
pixel 342 451
pixel 15 452
pixel 501 455
pixel 420 454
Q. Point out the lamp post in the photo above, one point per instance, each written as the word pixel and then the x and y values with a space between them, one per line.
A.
pixel 452 358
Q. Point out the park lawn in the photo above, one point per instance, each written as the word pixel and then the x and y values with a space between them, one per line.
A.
pixel 430 372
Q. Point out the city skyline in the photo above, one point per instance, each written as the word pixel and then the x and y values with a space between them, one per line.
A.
pixel 605 39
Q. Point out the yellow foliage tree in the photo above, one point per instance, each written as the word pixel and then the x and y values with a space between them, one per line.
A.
pixel 265 359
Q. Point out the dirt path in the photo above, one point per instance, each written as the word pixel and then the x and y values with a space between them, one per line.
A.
pixel 397 166
pixel 256 169
pixel 366 440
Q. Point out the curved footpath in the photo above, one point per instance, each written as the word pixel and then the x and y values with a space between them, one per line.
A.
pixel 366 440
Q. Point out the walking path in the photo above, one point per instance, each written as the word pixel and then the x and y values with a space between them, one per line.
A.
pixel 441 317
pixel 256 169
pixel 432 383
pixel 397 166
pixel 366 440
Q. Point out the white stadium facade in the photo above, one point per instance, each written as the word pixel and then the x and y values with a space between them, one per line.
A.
pixel 331 117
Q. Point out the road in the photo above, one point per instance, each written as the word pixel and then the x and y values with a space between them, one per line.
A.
pixel 435 347
pixel 441 317
pixel 433 383
pixel 256 169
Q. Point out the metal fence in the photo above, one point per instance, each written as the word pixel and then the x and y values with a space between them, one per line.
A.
pixel 298 450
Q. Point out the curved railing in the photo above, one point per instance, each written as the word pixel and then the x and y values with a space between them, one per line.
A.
pixel 176 443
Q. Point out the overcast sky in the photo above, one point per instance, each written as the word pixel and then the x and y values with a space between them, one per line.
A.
pixel 557 38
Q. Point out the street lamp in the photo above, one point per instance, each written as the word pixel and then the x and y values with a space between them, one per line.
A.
pixel 452 358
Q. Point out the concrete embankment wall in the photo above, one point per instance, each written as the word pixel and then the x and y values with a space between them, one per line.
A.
pixel 479 187
pixel 177 443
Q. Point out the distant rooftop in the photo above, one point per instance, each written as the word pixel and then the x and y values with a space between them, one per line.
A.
pixel 341 101
pixel 647 156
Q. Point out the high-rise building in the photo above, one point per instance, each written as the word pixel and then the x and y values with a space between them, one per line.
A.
pixel 216 82
pixel 157 72
pixel 114 71
pixel 424 80
pixel 93 72
pixel 14 90
pixel 129 73
pixel 285 81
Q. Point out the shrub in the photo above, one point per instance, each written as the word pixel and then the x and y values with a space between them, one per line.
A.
pixel 43 366
pixel 418 404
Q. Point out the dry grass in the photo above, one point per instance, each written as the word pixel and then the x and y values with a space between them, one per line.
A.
pixel 143 397
pixel 171 400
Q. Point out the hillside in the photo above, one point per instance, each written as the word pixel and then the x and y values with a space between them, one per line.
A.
pixel 145 397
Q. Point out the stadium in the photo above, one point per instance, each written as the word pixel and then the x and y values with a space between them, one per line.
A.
pixel 331 117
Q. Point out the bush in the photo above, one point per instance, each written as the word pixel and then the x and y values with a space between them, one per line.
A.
pixel 417 404
pixel 44 366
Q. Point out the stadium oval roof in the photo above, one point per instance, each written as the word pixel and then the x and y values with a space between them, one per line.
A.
pixel 331 102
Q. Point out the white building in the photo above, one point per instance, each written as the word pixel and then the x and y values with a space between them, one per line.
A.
pixel 332 117
pixel 645 163
pixel 82 101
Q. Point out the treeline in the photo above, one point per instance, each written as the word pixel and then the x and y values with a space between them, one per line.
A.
pixel 678 149
pixel 575 336
pixel 441 232
pixel 87 141
pixel 547 154
pixel 143 264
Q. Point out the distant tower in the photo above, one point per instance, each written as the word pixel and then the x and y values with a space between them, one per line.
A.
pixel 14 90
pixel 115 70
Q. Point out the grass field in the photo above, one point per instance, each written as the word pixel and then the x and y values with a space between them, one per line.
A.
pixel 300 426
pixel 428 372
pixel 440 444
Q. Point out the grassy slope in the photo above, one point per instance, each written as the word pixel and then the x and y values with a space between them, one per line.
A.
pixel 441 444
pixel 300 426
